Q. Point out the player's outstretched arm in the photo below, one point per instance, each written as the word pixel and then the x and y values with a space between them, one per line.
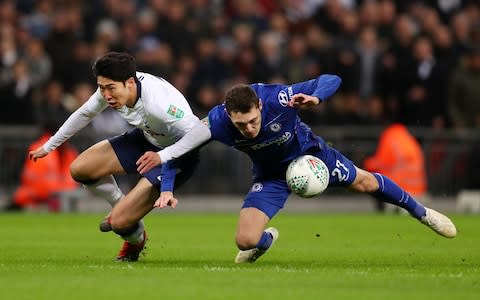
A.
pixel 37 153
pixel 195 137
pixel 168 174
pixel 302 101
pixel 166 199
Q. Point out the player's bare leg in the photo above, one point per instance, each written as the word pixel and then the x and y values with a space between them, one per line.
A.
pixel 94 168
pixel 126 219
pixel 96 162
pixel 135 205
pixel 252 238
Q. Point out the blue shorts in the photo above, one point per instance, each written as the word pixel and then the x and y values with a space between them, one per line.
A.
pixel 130 146
pixel 269 196
pixel 342 170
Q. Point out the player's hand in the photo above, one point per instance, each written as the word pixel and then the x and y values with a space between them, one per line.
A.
pixel 166 199
pixel 148 161
pixel 301 100
pixel 37 153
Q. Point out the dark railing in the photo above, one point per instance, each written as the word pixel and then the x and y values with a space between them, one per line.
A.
pixel 452 158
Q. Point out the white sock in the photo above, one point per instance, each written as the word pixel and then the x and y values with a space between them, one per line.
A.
pixel 136 237
pixel 106 188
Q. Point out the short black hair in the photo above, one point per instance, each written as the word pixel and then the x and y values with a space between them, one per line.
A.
pixel 240 98
pixel 117 66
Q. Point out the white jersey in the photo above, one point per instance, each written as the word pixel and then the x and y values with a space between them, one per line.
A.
pixel 161 111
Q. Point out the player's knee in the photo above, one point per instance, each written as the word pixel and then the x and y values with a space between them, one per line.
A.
pixel 365 182
pixel 77 171
pixel 81 172
pixel 120 225
pixel 246 241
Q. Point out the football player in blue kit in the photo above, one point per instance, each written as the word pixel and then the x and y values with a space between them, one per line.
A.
pixel 262 121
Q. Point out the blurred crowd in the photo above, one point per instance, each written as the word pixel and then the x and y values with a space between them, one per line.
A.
pixel 414 62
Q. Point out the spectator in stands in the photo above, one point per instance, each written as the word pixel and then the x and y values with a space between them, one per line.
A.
pixel 38 63
pixel 52 106
pixel 444 47
pixel 464 91
pixel 369 54
pixel 271 60
pixel 299 65
pixel 400 157
pixel 41 181
pixel 424 96
pixel 207 97
pixel 395 62
pixel 60 43
pixel 80 61
pixel 159 33
pixel 16 96
pixel 460 25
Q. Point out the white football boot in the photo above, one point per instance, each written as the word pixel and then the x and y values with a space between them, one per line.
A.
pixel 251 255
pixel 439 223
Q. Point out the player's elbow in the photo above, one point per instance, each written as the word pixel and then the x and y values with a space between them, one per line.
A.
pixel 331 79
pixel 205 132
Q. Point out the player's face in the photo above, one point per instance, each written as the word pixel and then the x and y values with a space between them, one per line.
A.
pixel 116 93
pixel 249 123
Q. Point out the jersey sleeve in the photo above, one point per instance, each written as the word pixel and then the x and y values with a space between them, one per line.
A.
pixel 216 121
pixel 168 176
pixel 275 97
pixel 177 130
pixel 77 121
pixel 322 87
pixel 195 137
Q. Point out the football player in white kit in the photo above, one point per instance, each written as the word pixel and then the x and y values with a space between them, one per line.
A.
pixel 165 129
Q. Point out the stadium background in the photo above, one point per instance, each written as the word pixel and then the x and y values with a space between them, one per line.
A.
pixel 205 46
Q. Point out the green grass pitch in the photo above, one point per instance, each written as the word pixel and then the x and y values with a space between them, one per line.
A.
pixel 190 256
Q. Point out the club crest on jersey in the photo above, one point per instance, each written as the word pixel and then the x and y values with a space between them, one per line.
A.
pixel 275 127
pixel 175 111
pixel 257 187
pixel 283 98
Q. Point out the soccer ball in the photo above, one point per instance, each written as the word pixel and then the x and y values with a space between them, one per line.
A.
pixel 307 176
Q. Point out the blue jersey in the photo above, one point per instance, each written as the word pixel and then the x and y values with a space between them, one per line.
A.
pixel 283 136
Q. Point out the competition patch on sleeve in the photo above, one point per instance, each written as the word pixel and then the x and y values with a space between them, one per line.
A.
pixel 175 111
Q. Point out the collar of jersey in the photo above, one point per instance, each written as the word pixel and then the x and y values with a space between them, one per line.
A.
pixel 139 90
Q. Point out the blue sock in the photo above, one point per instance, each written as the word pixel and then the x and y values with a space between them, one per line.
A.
pixel 265 241
pixel 390 192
